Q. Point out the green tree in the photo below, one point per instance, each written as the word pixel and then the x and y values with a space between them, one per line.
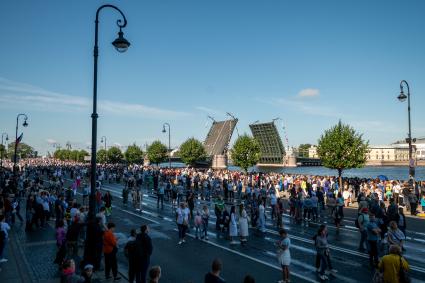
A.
pixel 23 150
pixel 101 156
pixel 303 149
pixel 81 154
pixel 134 154
pixel 73 155
pixel 341 148
pixel 114 155
pixel 3 151
pixel 157 152
pixel 245 152
pixel 191 151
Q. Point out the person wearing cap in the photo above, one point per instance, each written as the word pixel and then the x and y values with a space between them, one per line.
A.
pixel 363 220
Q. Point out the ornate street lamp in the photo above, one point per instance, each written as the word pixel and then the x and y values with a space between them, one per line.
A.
pixel 121 44
pixel 169 141
pixel 103 140
pixel 402 97
pixel 25 124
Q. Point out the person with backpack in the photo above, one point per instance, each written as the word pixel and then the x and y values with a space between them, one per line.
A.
pixel 394 267
pixel 361 223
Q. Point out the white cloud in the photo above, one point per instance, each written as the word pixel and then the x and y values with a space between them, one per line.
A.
pixel 309 92
pixel 25 95
pixel 51 141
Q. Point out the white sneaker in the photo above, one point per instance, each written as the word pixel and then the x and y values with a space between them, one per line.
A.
pixel 184 241
pixel 324 277
pixel 3 260
pixel 180 242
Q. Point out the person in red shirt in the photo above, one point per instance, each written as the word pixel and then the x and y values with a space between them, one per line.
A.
pixel 110 251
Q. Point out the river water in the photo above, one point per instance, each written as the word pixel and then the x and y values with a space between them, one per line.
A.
pixel 392 172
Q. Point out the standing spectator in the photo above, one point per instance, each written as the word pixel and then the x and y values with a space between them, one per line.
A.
pixel 392 264
pixel 110 251
pixel 130 251
pixel 233 225
pixel 214 275
pixel 363 220
pixel 373 232
pixel 401 223
pixel 205 217
pixel 144 252
pixel 423 203
pixel 4 236
pixel 243 224
pixel 154 274
pixel 161 192
pixel 107 198
pixel 182 219
pixel 413 201
pixel 395 236
pixel 284 255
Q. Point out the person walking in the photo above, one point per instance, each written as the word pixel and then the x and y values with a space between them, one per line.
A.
pixel 393 266
pixel 284 256
pixel 144 252
pixel 182 220
pixel 110 252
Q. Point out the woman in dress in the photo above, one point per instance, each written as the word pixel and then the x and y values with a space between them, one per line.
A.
pixel 243 224
pixel 284 255
pixel 233 225
pixel 262 217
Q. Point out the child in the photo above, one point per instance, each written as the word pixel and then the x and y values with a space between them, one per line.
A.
pixel 198 223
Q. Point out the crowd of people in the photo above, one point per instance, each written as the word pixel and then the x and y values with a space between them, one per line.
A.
pixel 240 201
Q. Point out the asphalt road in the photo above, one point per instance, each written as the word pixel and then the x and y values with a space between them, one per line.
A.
pixel 189 262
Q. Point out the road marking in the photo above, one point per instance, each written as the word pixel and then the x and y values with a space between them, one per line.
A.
pixel 137 215
pixel 253 258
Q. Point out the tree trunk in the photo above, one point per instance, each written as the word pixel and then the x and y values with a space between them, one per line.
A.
pixel 340 179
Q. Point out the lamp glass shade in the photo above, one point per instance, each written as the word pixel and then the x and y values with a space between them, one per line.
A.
pixel 163 130
pixel 402 97
pixel 121 44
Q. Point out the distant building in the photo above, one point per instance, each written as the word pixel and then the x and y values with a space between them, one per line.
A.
pixel 312 152
pixel 388 153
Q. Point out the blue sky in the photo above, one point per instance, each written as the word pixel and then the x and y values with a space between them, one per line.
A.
pixel 309 62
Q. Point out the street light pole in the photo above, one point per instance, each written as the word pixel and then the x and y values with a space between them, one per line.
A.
pixel 169 142
pixel 4 148
pixel 103 139
pixel 402 97
pixel 121 45
pixel 16 138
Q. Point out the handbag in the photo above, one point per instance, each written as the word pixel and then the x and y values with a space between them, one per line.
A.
pixel 404 275
pixel 378 277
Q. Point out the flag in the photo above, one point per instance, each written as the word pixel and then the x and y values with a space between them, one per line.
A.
pixel 19 139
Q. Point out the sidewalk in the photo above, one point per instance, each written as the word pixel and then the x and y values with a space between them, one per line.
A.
pixel 30 257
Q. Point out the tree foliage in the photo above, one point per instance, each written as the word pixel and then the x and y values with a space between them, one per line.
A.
pixel 192 151
pixel 114 155
pixel 70 155
pixel 341 148
pixel 102 156
pixel 23 150
pixel 157 152
pixel 134 154
pixel 245 152
pixel 303 149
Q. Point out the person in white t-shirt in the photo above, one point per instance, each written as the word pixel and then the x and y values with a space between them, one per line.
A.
pixel 182 220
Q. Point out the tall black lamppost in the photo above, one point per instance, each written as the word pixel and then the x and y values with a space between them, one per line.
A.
pixel 3 135
pixel 402 97
pixel 169 142
pixel 103 140
pixel 25 124
pixel 121 45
